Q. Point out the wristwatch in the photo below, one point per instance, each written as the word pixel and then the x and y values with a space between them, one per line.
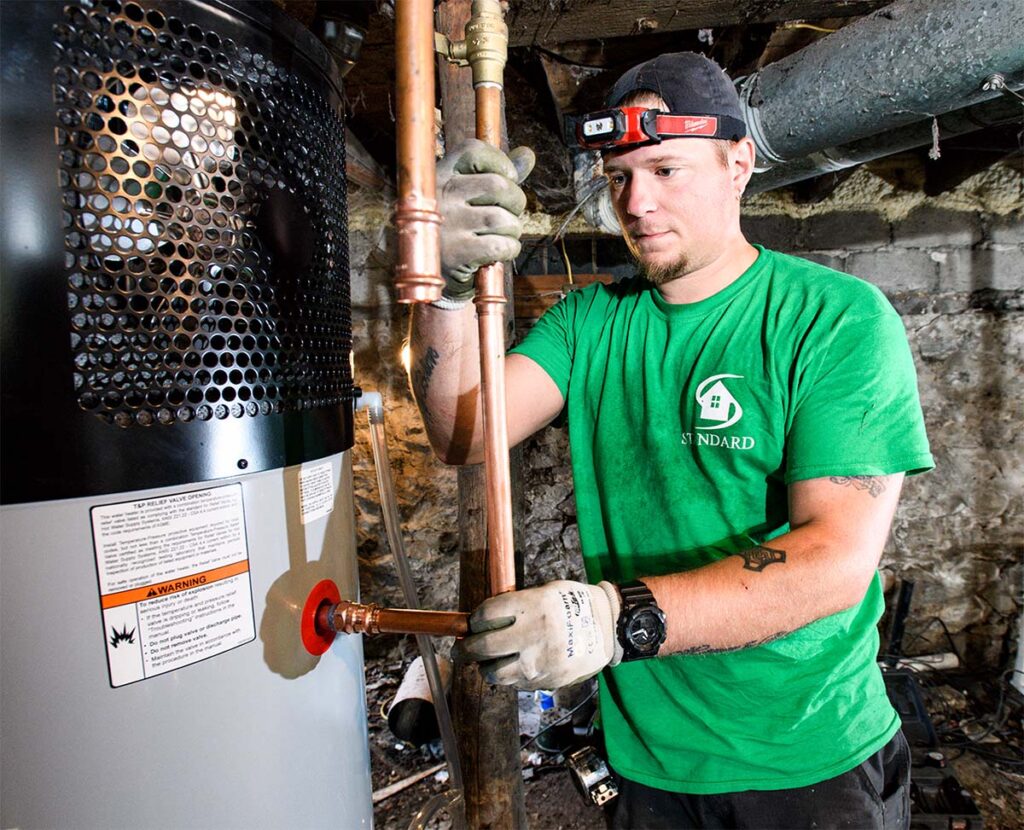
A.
pixel 641 627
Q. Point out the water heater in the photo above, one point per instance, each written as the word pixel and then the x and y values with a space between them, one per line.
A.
pixel 177 420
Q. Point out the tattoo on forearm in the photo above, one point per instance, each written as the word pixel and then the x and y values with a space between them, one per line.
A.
pixel 708 649
pixel 759 558
pixel 875 485
pixel 423 372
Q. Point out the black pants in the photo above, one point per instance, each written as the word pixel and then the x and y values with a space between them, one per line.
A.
pixel 874 795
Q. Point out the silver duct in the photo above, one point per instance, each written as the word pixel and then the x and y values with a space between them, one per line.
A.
pixel 956 123
pixel 904 63
pixel 869 90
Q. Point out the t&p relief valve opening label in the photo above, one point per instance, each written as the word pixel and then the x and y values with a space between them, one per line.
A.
pixel 174 580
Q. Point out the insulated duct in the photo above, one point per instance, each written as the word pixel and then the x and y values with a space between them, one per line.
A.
pixel 906 62
pixel 869 90
pixel 959 122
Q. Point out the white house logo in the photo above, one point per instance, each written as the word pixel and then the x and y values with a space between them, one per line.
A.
pixel 717 402
pixel 719 406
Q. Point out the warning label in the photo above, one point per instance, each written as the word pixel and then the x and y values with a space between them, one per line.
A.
pixel 316 492
pixel 174 580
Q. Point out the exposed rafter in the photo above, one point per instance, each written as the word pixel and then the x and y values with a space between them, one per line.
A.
pixel 543 23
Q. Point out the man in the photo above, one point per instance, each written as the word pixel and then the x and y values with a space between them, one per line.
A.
pixel 740 424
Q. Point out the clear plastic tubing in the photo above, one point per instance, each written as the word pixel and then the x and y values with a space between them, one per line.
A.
pixel 373 403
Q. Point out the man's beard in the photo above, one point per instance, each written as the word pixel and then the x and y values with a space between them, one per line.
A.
pixel 661 274
pixel 658 274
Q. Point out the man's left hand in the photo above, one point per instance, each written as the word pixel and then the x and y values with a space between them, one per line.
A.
pixel 544 638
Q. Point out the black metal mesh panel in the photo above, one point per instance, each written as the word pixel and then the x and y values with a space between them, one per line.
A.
pixel 205 223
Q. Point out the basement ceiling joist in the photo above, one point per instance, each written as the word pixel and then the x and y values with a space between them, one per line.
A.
pixel 543 23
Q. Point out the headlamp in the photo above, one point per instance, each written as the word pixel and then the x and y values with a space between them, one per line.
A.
pixel 633 126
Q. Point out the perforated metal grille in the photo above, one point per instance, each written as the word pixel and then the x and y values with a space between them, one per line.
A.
pixel 204 207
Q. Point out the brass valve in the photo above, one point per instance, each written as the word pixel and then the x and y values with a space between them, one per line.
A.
pixel 485 48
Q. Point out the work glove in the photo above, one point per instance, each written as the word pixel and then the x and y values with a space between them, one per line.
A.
pixel 544 638
pixel 482 206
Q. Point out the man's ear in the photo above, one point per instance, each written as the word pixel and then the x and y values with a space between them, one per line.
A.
pixel 742 156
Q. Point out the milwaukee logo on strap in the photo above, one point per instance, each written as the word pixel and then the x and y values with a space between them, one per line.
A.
pixel 687 125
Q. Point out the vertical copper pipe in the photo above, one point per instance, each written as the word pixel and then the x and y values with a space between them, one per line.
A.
pixel 488 114
pixel 490 309
pixel 418 273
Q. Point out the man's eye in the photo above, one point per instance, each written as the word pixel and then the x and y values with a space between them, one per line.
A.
pixel 616 179
pixel 665 172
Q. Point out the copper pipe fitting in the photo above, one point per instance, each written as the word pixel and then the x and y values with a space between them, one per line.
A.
pixel 418 273
pixel 355 618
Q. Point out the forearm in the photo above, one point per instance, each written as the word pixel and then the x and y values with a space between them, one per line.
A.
pixel 445 377
pixel 764 593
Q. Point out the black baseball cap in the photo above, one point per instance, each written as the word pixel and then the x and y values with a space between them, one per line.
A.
pixel 690 84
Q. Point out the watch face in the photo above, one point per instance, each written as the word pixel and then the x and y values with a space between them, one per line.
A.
pixel 645 630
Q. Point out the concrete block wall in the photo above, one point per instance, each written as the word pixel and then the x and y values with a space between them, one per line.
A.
pixel 956 278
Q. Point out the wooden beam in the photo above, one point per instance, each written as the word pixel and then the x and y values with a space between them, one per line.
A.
pixel 536 293
pixel 540 22
pixel 362 169
pixel 486 717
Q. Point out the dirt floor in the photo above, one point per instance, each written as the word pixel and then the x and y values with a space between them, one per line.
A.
pixel 981 740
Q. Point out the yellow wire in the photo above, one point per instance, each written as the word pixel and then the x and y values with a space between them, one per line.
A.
pixel 810 26
pixel 565 259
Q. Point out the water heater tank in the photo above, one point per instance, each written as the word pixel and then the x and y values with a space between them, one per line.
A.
pixel 177 420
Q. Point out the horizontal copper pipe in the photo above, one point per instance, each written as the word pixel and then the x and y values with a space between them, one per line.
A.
pixel 418 269
pixel 355 618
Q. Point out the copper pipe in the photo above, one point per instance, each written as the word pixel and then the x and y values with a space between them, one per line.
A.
pixel 487 40
pixel 418 273
pixel 354 618
pixel 490 309
pixel 488 114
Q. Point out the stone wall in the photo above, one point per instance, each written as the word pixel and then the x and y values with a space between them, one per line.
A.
pixel 953 269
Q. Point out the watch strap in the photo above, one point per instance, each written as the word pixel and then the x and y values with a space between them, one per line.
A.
pixel 635 593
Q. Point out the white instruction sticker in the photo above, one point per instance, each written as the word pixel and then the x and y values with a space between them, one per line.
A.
pixel 316 491
pixel 174 580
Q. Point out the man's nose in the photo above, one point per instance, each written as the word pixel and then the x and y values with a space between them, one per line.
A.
pixel 638 200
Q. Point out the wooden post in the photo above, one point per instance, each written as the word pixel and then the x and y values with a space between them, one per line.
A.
pixel 486 717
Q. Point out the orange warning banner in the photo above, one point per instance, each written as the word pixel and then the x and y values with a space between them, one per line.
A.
pixel 174 586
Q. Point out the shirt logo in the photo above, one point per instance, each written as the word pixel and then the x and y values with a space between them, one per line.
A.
pixel 717 403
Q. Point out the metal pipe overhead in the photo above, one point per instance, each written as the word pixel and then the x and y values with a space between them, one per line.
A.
pixel 908 61
pixel 959 122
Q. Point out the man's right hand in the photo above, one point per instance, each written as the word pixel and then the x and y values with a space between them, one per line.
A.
pixel 482 205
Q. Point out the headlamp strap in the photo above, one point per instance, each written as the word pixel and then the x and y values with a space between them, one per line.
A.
pixel 625 126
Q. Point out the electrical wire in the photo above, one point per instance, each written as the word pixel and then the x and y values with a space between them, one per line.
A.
pixel 811 26
pixel 561 719
pixel 565 259
pixel 595 186
pixel 920 636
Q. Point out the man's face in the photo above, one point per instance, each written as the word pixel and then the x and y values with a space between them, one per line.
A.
pixel 677 202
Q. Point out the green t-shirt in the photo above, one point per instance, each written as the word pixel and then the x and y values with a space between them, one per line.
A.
pixel 686 424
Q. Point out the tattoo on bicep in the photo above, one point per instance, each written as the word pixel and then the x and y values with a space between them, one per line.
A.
pixel 423 372
pixel 875 485
pixel 759 558
pixel 709 649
